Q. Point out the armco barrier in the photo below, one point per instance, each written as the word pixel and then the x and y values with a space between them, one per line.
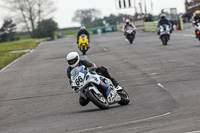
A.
pixel 104 30
pixel 150 26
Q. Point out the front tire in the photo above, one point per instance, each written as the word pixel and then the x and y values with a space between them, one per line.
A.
pixel 164 39
pixel 84 50
pixel 130 38
pixel 124 97
pixel 99 101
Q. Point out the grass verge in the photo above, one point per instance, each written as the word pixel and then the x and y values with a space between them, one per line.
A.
pixel 6 57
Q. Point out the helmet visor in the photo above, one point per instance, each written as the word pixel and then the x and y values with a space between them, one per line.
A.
pixel 73 61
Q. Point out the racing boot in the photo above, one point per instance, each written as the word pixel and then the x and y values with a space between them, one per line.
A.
pixel 115 83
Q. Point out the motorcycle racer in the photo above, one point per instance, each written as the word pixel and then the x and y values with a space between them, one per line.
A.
pixel 83 31
pixel 196 20
pixel 74 60
pixel 163 20
pixel 126 25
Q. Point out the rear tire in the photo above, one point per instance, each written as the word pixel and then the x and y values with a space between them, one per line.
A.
pixel 99 101
pixel 124 97
pixel 83 50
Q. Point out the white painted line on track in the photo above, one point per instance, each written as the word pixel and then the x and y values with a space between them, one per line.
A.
pixel 122 124
pixel 140 120
pixel 9 64
pixel 153 74
pixel 105 49
pixel 40 44
pixel 194 132
pixel 159 84
pixel 18 59
pixel 31 50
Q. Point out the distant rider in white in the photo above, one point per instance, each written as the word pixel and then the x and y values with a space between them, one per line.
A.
pixel 127 25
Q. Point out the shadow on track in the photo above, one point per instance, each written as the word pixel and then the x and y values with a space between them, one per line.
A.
pixel 96 109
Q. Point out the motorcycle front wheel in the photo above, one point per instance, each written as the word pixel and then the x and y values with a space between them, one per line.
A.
pixel 99 100
pixel 124 97
pixel 84 50
pixel 165 39
pixel 130 38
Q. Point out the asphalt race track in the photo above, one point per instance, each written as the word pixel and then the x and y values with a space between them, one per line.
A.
pixel 163 83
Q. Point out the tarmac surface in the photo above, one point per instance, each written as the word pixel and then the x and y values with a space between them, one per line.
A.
pixel 163 83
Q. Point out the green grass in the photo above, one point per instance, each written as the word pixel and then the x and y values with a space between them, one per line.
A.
pixel 5 48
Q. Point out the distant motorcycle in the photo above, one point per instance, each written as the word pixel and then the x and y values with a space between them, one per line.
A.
pixel 197 29
pixel 87 84
pixel 83 43
pixel 130 34
pixel 164 33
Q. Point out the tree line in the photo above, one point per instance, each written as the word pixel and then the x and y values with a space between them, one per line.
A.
pixel 34 17
pixel 31 15
pixel 91 18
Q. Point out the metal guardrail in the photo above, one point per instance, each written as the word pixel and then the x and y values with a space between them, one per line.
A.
pixel 104 30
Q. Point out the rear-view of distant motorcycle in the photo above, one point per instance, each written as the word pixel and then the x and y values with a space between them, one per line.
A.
pixel 197 31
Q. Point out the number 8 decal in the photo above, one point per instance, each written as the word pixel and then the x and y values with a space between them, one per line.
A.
pixel 78 80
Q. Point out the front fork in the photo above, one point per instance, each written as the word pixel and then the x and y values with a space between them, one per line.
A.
pixel 80 45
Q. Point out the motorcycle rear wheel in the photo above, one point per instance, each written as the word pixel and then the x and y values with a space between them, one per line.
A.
pixel 99 101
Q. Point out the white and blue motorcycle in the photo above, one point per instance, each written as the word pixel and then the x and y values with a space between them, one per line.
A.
pixel 88 84
pixel 164 33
